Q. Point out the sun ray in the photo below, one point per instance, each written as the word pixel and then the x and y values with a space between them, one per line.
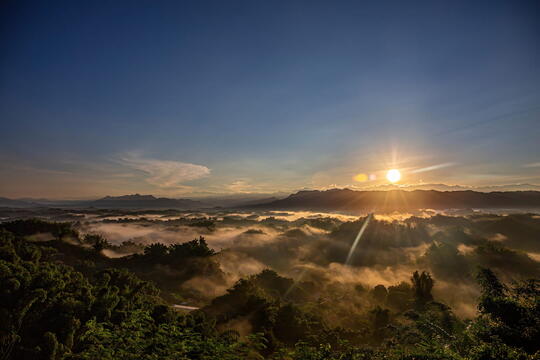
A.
pixel 358 237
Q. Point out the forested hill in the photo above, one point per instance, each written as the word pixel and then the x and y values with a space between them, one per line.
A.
pixel 63 299
pixel 397 200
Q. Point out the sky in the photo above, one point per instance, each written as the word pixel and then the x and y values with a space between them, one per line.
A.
pixel 196 98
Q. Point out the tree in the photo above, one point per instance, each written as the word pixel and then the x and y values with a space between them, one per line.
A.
pixel 193 248
pixel 379 293
pixel 511 314
pixel 156 252
pixel 380 320
pixel 98 242
pixel 399 296
pixel 422 286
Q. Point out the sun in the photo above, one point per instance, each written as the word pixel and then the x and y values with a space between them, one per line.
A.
pixel 393 175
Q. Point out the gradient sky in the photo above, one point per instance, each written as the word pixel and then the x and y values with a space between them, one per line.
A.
pixel 211 97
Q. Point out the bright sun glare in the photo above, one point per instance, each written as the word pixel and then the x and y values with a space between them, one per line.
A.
pixel 393 175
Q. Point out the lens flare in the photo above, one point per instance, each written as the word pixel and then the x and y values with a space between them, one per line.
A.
pixel 360 177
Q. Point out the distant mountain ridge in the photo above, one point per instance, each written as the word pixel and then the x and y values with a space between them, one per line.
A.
pixel 5 202
pixel 399 200
pixel 137 201
pixel 133 197
pixel 315 200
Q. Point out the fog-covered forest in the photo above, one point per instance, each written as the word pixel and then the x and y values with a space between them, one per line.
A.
pixel 112 284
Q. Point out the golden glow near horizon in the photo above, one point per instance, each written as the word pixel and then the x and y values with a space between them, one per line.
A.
pixel 393 175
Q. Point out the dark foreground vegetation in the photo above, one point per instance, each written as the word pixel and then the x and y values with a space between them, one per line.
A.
pixel 63 299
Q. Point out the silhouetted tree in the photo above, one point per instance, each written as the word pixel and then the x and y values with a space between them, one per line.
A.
pixel 379 293
pixel 422 286
pixel 97 242
pixel 380 320
pixel 194 248
pixel 156 252
pixel 399 296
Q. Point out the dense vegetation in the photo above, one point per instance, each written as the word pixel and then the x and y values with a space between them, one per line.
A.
pixel 62 299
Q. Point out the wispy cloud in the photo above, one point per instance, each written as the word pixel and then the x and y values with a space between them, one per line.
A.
pixel 433 167
pixel 245 186
pixel 240 186
pixel 532 165
pixel 166 174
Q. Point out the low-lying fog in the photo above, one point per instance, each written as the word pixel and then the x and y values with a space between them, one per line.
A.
pixel 314 246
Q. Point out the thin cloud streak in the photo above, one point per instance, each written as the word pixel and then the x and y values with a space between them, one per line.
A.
pixel 434 167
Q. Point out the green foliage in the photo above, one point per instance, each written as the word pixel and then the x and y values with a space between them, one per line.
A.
pixel 139 337
pixel 48 310
pixel 175 253
pixel 41 302
pixel 511 314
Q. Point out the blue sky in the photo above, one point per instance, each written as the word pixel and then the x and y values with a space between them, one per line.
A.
pixel 210 97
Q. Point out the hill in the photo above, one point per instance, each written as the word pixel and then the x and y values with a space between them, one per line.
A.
pixel 5 202
pixel 137 201
pixel 399 200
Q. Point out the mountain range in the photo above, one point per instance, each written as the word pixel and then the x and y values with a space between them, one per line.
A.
pixel 399 200
pixel 137 201
pixel 5 202
pixel 314 200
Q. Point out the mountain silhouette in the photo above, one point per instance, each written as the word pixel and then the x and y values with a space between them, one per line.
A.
pixel 5 202
pixel 138 201
pixel 399 200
